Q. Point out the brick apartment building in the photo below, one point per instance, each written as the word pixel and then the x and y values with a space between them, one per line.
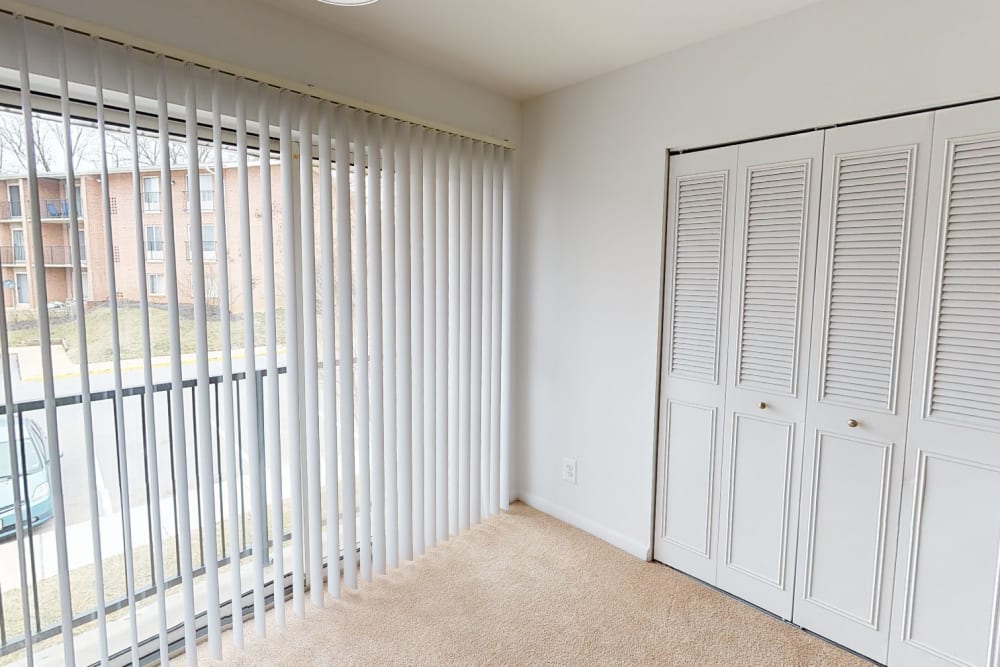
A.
pixel 17 257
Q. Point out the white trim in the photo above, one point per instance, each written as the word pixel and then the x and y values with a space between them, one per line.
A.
pixel 637 548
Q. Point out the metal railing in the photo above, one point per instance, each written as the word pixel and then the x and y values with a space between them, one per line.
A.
pixel 10 210
pixel 12 255
pixel 61 255
pixel 207 249
pixel 56 209
pixel 52 255
pixel 207 198
pixel 42 628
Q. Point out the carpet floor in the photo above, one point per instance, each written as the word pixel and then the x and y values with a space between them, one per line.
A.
pixel 526 589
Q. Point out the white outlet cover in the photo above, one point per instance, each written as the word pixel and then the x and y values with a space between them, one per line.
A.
pixel 569 470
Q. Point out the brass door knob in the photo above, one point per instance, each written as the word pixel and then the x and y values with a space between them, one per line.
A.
pixel 762 405
pixel 853 423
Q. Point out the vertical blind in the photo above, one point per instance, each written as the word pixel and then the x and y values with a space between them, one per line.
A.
pixel 313 367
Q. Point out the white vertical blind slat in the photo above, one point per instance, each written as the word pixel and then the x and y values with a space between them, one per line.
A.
pixel 417 329
pixel 505 329
pixel 487 331
pixel 81 329
pixel 454 178
pixel 360 132
pixel 229 473
pixel 178 425
pixel 329 353
pixel 15 467
pixel 476 339
pixel 404 407
pixel 203 415
pixel 375 283
pixel 116 357
pixel 465 326
pixel 441 334
pixel 345 318
pixel 292 341
pixel 309 357
pixel 149 404
pixel 389 341
pixel 271 384
pixel 495 336
pixel 251 433
pixel 429 349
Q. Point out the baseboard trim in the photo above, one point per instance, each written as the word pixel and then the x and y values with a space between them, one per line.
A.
pixel 612 537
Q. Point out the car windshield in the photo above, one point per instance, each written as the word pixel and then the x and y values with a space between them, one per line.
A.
pixel 31 462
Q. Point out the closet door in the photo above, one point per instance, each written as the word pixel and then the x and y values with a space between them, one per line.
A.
pixel 774 247
pixel 692 392
pixel 871 232
pixel 947 594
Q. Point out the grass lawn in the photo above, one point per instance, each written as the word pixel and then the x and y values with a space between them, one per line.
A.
pixel 24 331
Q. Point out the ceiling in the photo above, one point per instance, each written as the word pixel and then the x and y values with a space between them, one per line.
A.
pixel 524 48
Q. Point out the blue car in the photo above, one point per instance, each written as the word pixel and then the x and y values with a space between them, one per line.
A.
pixel 33 465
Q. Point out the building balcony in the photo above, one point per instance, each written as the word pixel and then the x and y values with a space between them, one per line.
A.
pixel 13 255
pixel 52 255
pixel 10 211
pixel 58 210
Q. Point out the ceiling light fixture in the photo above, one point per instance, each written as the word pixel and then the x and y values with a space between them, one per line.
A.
pixel 348 3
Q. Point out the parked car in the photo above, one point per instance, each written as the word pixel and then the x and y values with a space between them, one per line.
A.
pixel 33 466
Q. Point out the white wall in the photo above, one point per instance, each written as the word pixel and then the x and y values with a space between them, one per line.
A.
pixel 591 223
pixel 264 39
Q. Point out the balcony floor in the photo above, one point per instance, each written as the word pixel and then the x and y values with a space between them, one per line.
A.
pixel 526 589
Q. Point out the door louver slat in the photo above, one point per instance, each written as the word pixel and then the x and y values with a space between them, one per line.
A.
pixel 772 255
pixel 701 202
pixel 870 207
pixel 965 383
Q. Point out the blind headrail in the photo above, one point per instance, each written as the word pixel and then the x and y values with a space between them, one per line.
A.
pixel 72 24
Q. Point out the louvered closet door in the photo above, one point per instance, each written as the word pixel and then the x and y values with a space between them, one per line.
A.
pixel 871 231
pixel 774 248
pixel 946 601
pixel 696 299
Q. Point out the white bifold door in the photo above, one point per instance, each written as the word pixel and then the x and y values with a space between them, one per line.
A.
pixel 829 434
pixel 864 309
pixel 700 212
pixel 777 198
pixel 947 594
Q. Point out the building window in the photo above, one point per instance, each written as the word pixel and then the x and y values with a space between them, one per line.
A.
pixel 151 194
pixel 154 243
pixel 207 242
pixel 86 285
pixel 156 285
pixel 21 292
pixel 206 189
pixel 14 197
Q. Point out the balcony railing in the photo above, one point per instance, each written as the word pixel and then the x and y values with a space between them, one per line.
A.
pixel 55 209
pixel 207 248
pixel 52 255
pixel 61 255
pixel 10 210
pixel 12 255
pixel 207 200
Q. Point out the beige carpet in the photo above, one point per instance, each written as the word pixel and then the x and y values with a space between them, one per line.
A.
pixel 526 589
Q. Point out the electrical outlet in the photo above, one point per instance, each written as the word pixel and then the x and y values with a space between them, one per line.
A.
pixel 569 470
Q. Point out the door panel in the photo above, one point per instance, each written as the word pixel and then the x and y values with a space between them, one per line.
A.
pixel 845 542
pixel 689 477
pixel 692 391
pixel 774 250
pixel 947 593
pixel 759 501
pixel 864 310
